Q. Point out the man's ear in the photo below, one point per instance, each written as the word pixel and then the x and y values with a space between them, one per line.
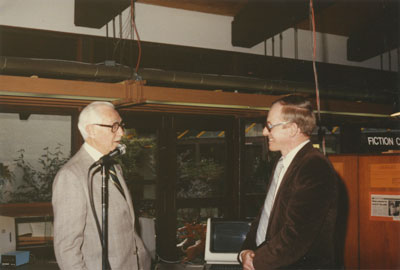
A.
pixel 90 130
pixel 294 129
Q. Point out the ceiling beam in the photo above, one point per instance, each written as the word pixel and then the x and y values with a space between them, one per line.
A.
pixel 376 37
pixel 42 88
pixel 25 91
pixel 96 14
pixel 260 20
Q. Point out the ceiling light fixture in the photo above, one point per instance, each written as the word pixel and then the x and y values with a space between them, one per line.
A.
pixel 397 114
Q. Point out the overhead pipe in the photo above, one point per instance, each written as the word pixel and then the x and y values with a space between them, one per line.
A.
pixel 114 73
pixel 63 69
pixel 255 85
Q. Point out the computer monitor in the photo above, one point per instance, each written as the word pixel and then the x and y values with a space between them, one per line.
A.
pixel 224 239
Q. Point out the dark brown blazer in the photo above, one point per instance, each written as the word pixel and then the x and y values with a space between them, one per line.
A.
pixel 301 227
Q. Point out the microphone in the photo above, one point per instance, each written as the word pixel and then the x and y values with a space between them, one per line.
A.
pixel 119 150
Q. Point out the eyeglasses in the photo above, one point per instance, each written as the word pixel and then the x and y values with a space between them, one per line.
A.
pixel 114 127
pixel 270 126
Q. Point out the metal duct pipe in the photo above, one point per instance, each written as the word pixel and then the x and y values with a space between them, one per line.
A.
pixel 101 72
pixel 63 69
pixel 248 84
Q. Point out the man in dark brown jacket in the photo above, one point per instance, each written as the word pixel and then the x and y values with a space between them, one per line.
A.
pixel 295 229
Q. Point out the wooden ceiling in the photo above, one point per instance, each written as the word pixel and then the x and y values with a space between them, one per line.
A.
pixel 219 7
pixel 341 18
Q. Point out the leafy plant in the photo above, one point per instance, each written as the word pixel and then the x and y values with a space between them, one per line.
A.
pixel 199 179
pixel 140 154
pixel 5 173
pixel 139 166
pixel 260 172
pixel 37 184
pixel 5 176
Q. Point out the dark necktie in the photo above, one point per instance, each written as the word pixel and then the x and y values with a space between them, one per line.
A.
pixel 115 181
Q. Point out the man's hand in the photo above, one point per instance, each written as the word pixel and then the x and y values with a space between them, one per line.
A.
pixel 247 257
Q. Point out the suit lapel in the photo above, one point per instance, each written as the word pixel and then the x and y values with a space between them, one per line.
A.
pixel 87 160
pixel 293 165
pixel 287 177
pixel 128 199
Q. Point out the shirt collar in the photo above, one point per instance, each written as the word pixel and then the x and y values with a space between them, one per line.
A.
pixel 289 157
pixel 96 155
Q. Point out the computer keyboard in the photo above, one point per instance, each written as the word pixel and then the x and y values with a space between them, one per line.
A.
pixel 225 267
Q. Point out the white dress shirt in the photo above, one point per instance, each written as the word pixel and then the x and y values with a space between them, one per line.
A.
pixel 286 162
pixel 270 199
pixel 96 155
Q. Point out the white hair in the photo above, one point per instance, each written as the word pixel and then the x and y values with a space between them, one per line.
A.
pixel 91 114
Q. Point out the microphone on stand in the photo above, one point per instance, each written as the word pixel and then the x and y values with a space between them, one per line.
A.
pixel 104 161
pixel 119 150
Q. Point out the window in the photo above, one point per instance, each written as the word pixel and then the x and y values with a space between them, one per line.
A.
pixel 140 170
pixel 33 148
pixel 201 163
pixel 258 164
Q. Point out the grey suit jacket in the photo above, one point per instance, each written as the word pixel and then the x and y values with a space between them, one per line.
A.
pixel 76 240
pixel 301 226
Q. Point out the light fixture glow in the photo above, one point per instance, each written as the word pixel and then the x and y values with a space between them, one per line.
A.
pixel 397 114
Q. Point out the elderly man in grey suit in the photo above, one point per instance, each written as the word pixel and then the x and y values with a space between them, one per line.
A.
pixel 77 243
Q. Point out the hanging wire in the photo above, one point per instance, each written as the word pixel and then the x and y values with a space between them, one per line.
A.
pixel 125 30
pixel 106 41
pixel 120 25
pixel 296 44
pixel 120 39
pixel 273 46
pixel 113 25
pixel 314 56
pixel 137 34
pixel 116 41
pixel 265 47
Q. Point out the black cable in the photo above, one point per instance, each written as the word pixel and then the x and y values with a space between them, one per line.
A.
pixel 92 206
pixel 90 189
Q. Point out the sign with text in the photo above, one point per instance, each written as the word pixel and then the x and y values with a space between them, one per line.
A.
pixel 381 142
pixel 385 175
pixel 385 206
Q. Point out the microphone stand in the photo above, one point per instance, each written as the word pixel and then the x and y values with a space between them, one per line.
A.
pixel 105 163
pixel 105 166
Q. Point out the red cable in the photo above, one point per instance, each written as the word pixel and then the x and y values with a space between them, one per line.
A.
pixel 138 38
pixel 315 70
pixel 314 59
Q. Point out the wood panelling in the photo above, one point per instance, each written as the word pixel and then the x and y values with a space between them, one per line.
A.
pixel 133 95
pixel 369 243
pixel 346 167
pixel 26 209
pixel 61 89
pixel 379 239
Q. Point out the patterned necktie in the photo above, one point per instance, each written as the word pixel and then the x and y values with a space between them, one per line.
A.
pixel 115 181
pixel 269 202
